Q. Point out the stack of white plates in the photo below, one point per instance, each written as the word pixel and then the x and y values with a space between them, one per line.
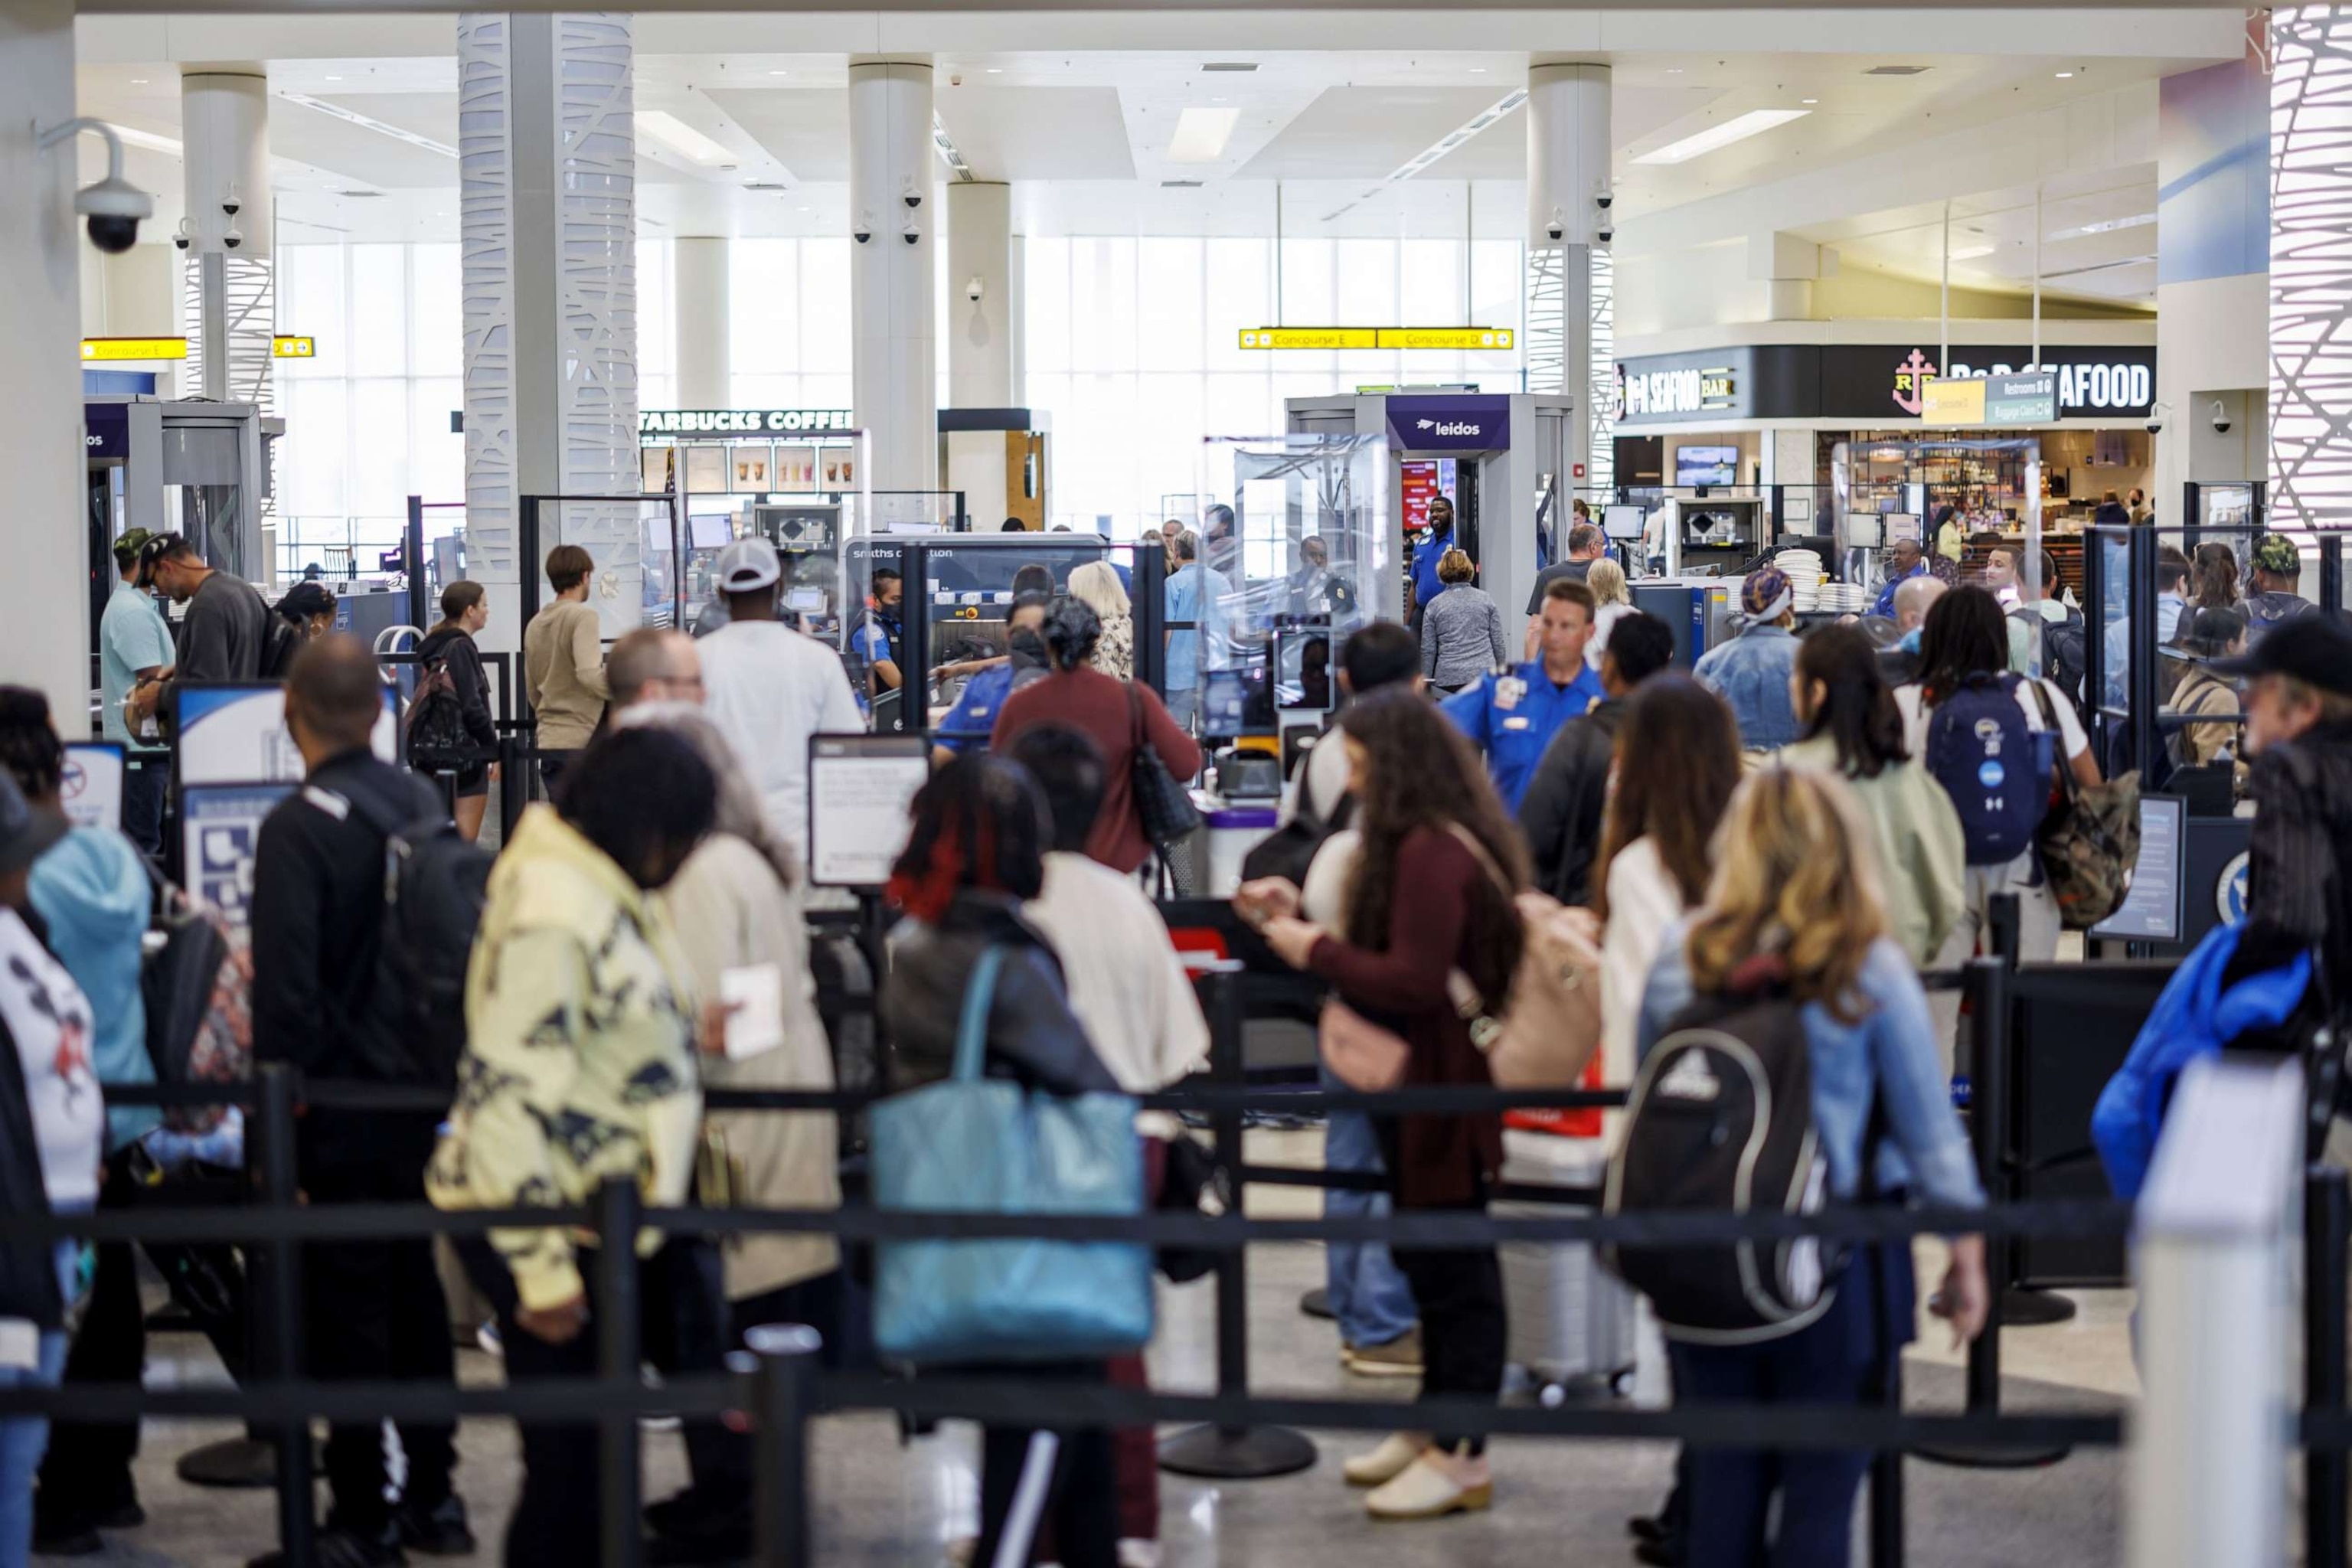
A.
pixel 1843 599
pixel 1803 568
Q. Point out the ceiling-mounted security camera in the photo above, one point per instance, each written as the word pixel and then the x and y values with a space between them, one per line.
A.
pixel 185 236
pixel 1557 227
pixel 232 206
pixel 233 238
pixel 1605 234
pixel 910 233
pixel 864 229
pixel 2220 417
pixel 973 290
pixel 2156 413
pixel 911 195
pixel 113 206
pixel 1603 198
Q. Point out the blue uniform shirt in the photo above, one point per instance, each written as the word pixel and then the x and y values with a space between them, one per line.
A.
pixel 1513 717
pixel 1426 557
pixel 1885 608
pixel 968 723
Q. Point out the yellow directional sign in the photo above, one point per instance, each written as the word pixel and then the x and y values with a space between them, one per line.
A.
pixel 135 347
pixel 1459 338
pixel 293 347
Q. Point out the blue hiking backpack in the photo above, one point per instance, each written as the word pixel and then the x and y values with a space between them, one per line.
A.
pixel 1994 765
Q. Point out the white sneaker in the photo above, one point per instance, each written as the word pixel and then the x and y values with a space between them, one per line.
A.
pixel 1396 1453
pixel 1431 1486
pixel 1134 1554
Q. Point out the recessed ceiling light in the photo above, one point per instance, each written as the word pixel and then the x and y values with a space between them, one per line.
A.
pixel 996 70
pixel 1755 122
pixel 334 78
pixel 780 73
pixel 2065 76
pixel 1809 101
pixel 679 137
pixel 1478 71
pixel 139 81
pixel 367 122
pixel 1202 134
pixel 1673 70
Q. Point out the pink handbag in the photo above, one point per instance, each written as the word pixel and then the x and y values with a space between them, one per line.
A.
pixel 1359 1053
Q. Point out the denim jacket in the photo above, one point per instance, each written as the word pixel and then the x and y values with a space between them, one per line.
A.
pixel 1891 1053
pixel 1752 673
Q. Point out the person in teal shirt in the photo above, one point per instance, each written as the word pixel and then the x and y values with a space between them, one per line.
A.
pixel 134 644
pixel 1512 716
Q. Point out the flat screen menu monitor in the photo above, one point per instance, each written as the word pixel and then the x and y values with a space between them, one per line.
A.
pixel 1621 521
pixel 711 529
pixel 1707 465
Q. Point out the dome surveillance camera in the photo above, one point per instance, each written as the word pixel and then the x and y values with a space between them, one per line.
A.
pixel 973 290
pixel 114 207
pixel 233 238
pixel 864 229
pixel 1605 234
pixel 2155 425
pixel 232 206
pixel 2220 417
pixel 910 233
pixel 184 238
pixel 1556 227
pixel 910 195
pixel 1603 198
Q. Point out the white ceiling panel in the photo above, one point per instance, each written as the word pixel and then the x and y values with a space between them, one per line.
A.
pixel 1365 132
pixel 804 129
pixel 1038 133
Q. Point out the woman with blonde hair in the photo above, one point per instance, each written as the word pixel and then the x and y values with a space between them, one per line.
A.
pixel 1461 628
pixel 1611 603
pixel 1096 583
pixel 1793 912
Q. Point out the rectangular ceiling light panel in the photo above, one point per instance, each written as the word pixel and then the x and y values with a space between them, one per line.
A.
pixel 1202 134
pixel 680 138
pixel 1715 138
pixel 369 122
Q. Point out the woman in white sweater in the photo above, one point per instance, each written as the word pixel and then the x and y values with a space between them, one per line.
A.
pixel 1677 764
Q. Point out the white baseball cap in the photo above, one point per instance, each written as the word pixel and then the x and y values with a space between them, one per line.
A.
pixel 747 565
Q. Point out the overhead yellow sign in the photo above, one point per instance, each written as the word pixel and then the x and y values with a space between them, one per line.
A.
pixel 135 347
pixel 1957 400
pixel 1457 338
pixel 293 347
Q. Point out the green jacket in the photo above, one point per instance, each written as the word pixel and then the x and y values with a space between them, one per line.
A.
pixel 1922 858
pixel 580 1059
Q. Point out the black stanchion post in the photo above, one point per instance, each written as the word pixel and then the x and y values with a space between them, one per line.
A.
pixel 281 1305
pixel 1988 986
pixel 1232 1453
pixel 783 1397
pixel 2020 1307
pixel 2327 1213
pixel 1887 1483
pixel 619 1350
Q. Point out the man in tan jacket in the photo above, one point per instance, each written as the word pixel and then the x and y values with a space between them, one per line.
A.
pixel 563 661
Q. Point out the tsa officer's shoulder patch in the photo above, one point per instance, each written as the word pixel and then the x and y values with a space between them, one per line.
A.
pixel 1510 691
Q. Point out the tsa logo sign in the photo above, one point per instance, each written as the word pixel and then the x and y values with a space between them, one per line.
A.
pixel 2230 890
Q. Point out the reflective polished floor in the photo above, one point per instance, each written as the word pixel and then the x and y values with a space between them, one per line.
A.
pixel 1556 1503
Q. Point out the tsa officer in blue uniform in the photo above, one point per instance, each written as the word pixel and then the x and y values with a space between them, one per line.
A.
pixel 1427 554
pixel 1513 715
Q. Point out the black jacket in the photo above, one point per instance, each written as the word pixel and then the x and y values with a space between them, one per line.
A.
pixel 1031 1035
pixel 318 998
pixel 457 646
pixel 1565 801
pixel 29 1268
pixel 2299 871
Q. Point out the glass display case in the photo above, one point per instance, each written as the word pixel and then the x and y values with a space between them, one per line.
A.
pixel 1254 628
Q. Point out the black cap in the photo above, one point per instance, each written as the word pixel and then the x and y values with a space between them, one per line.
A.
pixel 2311 647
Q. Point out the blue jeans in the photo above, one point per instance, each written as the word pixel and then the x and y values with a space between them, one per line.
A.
pixel 22 1440
pixel 1370 1295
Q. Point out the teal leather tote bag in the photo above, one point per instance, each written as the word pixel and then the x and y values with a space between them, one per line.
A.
pixel 972 1144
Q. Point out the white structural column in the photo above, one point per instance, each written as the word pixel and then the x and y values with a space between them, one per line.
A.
pixel 549 170
pixel 231 303
pixel 979 331
pixel 699 284
pixel 2311 266
pixel 44 597
pixel 891 304
pixel 1571 345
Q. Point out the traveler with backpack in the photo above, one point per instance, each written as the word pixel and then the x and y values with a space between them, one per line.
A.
pixel 1432 893
pixel 1786 1009
pixel 310 608
pixel 1993 740
pixel 2065 657
pixel 1854 728
pixel 2277 579
pixel 1565 804
pixel 333 999
pixel 580 1065
pixel 2211 635
pixel 449 724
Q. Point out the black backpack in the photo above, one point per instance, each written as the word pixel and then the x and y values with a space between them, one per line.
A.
pixel 1721 1122
pixel 434 885
pixel 282 641
pixel 2064 659
pixel 436 719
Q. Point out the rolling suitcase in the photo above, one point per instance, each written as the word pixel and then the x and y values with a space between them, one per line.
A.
pixel 1570 1322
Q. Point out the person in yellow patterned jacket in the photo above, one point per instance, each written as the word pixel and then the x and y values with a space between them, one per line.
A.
pixel 581 1065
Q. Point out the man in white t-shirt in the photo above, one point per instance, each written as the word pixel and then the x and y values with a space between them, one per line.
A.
pixel 768 688
pixel 1381 653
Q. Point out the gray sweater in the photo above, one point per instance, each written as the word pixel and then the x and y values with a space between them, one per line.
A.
pixel 1461 637
pixel 225 633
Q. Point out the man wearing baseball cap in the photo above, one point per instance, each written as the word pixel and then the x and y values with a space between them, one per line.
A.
pixel 1751 672
pixel 2278 573
pixel 2299 732
pixel 768 688
pixel 134 648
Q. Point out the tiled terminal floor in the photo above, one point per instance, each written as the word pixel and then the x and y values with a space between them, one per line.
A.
pixel 1556 1503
